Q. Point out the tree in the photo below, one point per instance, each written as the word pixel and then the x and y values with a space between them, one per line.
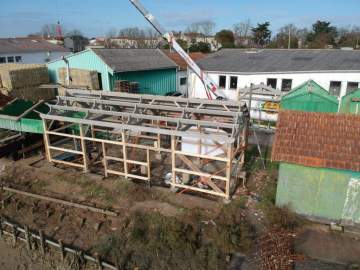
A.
pixel 322 35
pixel 242 33
pixel 200 29
pixel 261 34
pixel 74 32
pixel 225 38
pixel 200 47
pixel 288 37
pixel 183 43
pixel 349 37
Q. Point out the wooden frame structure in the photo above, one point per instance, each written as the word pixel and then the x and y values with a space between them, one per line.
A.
pixel 203 140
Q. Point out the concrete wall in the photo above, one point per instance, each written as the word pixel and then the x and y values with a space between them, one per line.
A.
pixel 196 89
pixel 327 194
pixel 37 57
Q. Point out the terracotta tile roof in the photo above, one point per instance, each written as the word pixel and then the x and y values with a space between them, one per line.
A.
pixel 325 140
pixel 180 61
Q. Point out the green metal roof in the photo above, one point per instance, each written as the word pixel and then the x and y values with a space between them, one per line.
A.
pixel 29 122
pixel 310 97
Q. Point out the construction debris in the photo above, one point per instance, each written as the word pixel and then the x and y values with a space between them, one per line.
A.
pixel 276 250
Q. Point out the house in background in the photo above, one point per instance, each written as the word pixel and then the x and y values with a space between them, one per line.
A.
pixel 150 68
pixel 309 97
pixel 76 43
pixel 319 173
pixel 337 71
pixel 182 78
pixel 29 51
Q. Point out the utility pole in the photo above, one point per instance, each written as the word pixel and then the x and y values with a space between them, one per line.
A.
pixel 289 44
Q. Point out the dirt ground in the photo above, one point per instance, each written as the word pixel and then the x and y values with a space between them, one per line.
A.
pixel 156 229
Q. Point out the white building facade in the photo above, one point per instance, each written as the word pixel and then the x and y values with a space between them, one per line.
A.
pixel 282 69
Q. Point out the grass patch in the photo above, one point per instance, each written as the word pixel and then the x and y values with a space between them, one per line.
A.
pixel 277 217
pixel 154 241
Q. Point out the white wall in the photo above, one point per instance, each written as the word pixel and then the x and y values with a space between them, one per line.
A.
pixel 36 57
pixel 181 88
pixel 196 88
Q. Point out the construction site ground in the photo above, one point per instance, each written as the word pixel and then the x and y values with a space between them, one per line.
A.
pixel 157 229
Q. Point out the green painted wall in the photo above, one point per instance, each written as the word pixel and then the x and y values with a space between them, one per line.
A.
pixel 87 60
pixel 309 97
pixel 319 192
pixel 29 123
pixel 348 105
pixel 153 82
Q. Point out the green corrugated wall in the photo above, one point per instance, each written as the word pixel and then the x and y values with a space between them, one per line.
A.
pixel 350 106
pixel 153 82
pixel 87 60
pixel 327 194
pixel 309 97
pixel 29 123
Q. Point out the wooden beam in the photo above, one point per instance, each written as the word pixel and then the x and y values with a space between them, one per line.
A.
pixel 67 203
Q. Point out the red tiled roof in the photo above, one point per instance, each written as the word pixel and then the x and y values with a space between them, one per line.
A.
pixel 181 62
pixel 325 140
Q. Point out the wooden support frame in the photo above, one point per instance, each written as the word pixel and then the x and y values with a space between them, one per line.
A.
pixel 139 132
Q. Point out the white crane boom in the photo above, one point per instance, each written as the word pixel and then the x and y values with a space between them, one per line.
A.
pixel 210 86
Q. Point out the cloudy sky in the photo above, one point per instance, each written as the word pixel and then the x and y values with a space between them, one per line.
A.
pixel 96 17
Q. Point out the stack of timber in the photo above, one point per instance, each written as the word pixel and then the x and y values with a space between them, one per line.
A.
pixel 23 81
pixel 80 77
pixel 126 86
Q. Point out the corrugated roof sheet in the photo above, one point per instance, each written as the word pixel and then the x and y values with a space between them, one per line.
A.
pixel 325 140
pixel 27 45
pixel 277 60
pixel 124 60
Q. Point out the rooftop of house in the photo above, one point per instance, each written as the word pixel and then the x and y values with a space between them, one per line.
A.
pixel 323 140
pixel 281 60
pixel 174 56
pixel 125 60
pixel 28 45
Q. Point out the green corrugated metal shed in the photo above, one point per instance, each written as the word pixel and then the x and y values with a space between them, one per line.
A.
pixel 351 103
pixel 319 192
pixel 309 97
pixel 154 81
pixel 31 122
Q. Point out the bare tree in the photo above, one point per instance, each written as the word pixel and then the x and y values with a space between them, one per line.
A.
pixel 112 33
pixel 49 30
pixel 206 27
pixel 242 33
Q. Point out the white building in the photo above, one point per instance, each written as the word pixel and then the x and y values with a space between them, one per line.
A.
pixel 336 70
pixel 182 74
pixel 29 51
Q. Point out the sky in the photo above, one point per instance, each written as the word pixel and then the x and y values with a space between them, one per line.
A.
pixel 96 17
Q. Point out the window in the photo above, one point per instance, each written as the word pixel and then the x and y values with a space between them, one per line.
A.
pixel 271 82
pixel 286 85
pixel 183 81
pixel 18 59
pixel 233 82
pixel 2 60
pixel 351 87
pixel 10 59
pixel 222 81
pixel 335 88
